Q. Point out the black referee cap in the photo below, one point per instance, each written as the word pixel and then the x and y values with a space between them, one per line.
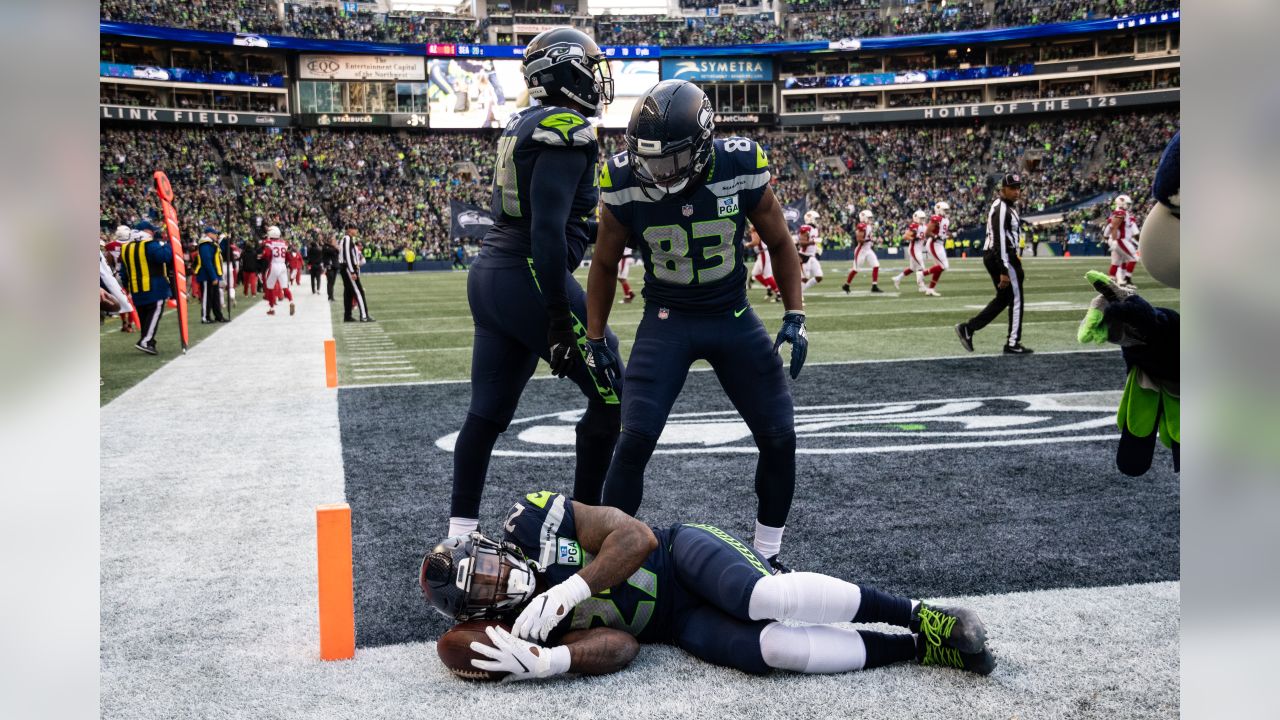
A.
pixel 1012 180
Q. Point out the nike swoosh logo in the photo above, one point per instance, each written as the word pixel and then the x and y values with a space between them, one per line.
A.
pixel 738 313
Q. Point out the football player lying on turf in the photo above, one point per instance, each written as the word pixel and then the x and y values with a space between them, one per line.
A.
pixel 586 585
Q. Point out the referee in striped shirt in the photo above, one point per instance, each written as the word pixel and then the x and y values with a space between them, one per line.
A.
pixel 349 265
pixel 1000 256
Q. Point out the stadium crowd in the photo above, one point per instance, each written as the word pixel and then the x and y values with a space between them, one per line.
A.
pixel 397 187
pixel 803 20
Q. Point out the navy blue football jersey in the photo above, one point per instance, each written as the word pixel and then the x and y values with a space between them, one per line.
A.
pixel 691 242
pixel 528 133
pixel 542 525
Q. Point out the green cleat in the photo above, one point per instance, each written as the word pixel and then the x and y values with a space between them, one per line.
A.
pixel 930 655
pixel 957 628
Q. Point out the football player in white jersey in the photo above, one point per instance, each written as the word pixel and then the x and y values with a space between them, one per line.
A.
pixel 807 244
pixel 624 270
pixel 1122 236
pixel 934 253
pixel 275 252
pixel 914 246
pixel 762 269
pixel 864 253
pixel 942 209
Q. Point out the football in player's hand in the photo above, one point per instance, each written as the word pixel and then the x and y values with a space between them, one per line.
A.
pixel 454 648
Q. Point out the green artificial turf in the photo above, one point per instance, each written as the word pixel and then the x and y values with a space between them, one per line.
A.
pixel 426 318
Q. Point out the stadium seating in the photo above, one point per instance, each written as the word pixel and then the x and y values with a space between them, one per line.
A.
pixel 397 188
pixel 801 20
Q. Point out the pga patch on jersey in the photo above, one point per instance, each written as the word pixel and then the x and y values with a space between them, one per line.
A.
pixel 727 206
pixel 568 552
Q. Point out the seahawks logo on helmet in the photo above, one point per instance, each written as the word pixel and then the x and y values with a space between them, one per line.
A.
pixel 565 65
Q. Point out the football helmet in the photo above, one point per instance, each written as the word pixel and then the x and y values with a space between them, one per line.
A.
pixel 1123 202
pixel 866 216
pixel 942 208
pixel 122 233
pixel 669 139
pixel 273 233
pixel 565 64
pixel 470 576
pixel 811 217
pixel 920 217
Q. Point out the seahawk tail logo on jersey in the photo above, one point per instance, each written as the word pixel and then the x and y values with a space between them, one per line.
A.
pixel 566 123
pixel 949 424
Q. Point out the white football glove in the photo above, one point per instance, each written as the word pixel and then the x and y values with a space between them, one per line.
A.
pixel 518 657
pixel 546 610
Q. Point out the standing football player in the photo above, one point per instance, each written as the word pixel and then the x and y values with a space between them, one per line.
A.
pixel 624 272
pixel 275 253
pixel 1122 235
pixel 913 242
pixel 523 298
pixel 864 253
pixel 686 198
pixel 934 250
pixel 762 269
pixel 807 245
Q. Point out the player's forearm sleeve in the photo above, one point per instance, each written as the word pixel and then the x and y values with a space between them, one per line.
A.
pixel 554 182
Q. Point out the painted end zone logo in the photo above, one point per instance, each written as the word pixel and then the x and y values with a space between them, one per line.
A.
pixel 945 424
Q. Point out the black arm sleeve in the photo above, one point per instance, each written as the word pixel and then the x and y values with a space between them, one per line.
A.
pixel 554 182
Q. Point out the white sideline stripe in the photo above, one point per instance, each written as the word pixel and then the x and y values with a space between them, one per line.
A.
pixel 163 646
pixel 396 363
pixel 807 364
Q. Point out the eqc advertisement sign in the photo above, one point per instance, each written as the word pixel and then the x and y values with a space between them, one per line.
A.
pixel 361 67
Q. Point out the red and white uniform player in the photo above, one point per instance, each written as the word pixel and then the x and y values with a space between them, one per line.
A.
pixel 864 254
pixel 275 253
pixel 294 262
pixel 934 254
pixel 1122 236
pixel 624 271
pixel 807 244
pixel 915 251
pixel 112 253
pixel 762 269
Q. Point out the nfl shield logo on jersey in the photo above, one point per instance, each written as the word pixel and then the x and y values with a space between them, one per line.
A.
pixel 687 210
pixel 663 313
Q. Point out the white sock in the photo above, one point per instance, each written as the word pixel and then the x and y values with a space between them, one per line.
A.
pixel 804 596
pixel 812 648
pixel 768 539
pixel 810 283
pixel 462 526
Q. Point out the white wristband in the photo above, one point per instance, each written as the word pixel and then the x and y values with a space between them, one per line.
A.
pixel 560 659
pixel 576 589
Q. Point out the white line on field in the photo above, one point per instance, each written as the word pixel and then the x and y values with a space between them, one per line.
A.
pixel 811 364
pixel 392 375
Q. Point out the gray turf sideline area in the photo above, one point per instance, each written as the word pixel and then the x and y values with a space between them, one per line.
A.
pixel 209 608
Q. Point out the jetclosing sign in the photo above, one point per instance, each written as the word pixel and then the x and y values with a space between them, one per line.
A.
pixel 717 69
pixel 361 67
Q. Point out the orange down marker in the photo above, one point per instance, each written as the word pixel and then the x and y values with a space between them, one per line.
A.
pixel 337 599
pixel 330 364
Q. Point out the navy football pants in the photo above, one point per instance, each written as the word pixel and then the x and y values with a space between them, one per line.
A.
pixel 750 371
pixel 510 335
pixel 716 573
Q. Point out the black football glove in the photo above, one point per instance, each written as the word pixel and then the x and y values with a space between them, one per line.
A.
pixel 793 332
pixel 563 342
pixel 603 363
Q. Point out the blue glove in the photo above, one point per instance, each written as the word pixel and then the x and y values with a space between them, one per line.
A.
pixel 603 363
pixel 793 332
